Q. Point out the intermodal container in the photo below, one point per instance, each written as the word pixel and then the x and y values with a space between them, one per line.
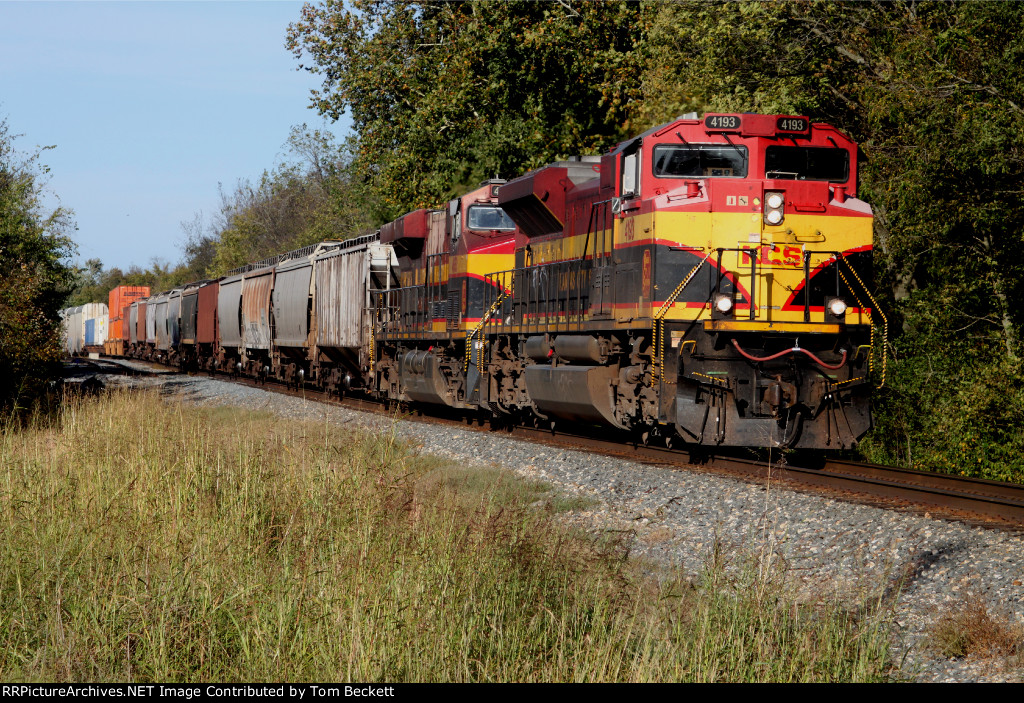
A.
pixel 119 301
pixel 123 296
pixel 94 334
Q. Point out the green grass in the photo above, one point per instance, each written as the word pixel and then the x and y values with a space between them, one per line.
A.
pixel 147 541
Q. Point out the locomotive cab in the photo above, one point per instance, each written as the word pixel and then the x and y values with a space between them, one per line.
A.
pixel 431 327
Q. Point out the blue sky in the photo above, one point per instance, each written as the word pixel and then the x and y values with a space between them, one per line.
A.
pixel 150 106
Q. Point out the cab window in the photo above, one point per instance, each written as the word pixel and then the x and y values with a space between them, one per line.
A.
pixel 700 161
pixel 807 163
pixel 489 217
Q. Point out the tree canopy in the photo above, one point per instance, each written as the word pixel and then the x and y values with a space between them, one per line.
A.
pixel 445 95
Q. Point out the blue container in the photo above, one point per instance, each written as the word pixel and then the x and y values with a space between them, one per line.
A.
pixel 90 333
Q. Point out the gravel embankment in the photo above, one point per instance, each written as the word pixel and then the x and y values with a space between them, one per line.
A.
pixel 676 518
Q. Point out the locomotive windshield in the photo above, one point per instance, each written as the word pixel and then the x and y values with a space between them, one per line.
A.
pixel 488 217
pixel 700 161
pixel 807 163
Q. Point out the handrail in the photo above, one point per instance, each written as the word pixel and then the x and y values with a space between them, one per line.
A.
pixel 505 293
pixel 885 320
pixel 659 320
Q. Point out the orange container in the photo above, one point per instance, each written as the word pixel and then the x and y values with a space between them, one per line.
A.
pixel 123 296
pixel 121 299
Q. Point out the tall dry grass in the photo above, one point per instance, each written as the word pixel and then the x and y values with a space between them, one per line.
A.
pixel 147 541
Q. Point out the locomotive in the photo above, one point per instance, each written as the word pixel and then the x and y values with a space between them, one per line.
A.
pixel 702 283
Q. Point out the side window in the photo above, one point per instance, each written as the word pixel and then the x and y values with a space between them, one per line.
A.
pixel 488 218
pixel 453 245
pixel 455 213
pixel 631 173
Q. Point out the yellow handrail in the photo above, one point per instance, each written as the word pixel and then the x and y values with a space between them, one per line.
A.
pixel 480 325
pixel 885 320
pixel 659 320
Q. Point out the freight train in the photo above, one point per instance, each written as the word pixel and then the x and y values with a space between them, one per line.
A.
pixel 703 283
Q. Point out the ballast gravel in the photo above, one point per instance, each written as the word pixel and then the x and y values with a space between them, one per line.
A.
pixel 923 567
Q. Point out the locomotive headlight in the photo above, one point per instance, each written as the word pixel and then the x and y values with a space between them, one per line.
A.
pixel 774 205
pixel 836 307
pixel 723 304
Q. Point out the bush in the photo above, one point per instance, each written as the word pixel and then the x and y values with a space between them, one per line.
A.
pixel 35 279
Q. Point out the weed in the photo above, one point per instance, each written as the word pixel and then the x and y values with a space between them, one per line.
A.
pixel 969 629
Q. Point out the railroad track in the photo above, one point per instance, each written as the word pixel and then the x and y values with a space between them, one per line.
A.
pixel 972 500
pixel 976 501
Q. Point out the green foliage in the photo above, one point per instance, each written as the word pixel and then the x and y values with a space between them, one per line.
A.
pixel 445 95
pixel 93 283
pixel 306 199
pixel 941 414
pixel 34 279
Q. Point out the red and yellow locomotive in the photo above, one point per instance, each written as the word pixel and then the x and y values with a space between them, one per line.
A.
pixel 704 282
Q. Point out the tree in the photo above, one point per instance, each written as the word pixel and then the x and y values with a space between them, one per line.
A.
pixel 309 197
pixel 35 280
pixel 932 91
pixel 445 95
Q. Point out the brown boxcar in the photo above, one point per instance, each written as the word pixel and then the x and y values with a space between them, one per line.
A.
pixel 125 324
pixel 140 323
pixel 198 346
pixel 206 314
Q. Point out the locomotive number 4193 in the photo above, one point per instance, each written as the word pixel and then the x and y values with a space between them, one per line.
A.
pixel 791 124
pixel 722 122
